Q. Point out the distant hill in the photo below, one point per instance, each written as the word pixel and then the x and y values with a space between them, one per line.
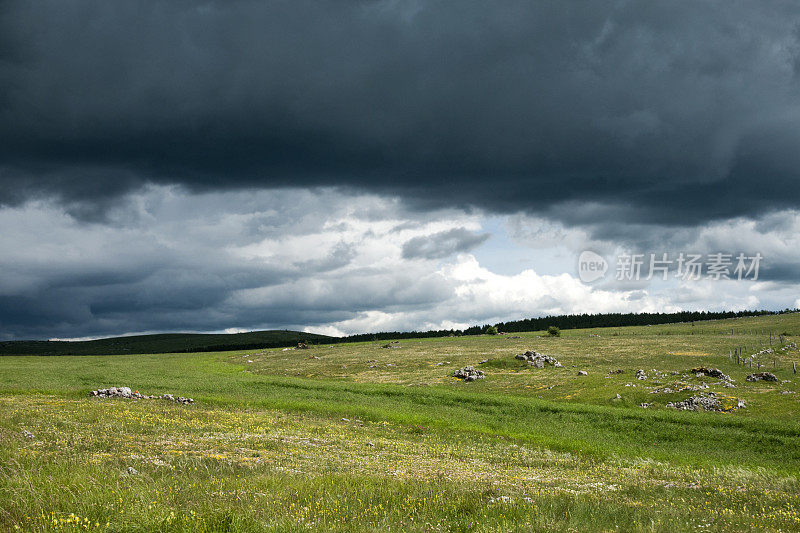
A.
pixel 165 343
pixel 204 342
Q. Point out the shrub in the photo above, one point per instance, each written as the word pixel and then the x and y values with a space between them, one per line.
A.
pixel 553 331
pixel 491 330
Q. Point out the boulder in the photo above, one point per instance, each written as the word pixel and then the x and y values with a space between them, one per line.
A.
pixel 708 402
pixel 468 374
pixel 126 392
pixel 765 376
pixel 711 372
pixel 538 360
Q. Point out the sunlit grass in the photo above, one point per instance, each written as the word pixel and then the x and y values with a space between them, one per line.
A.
pixel 359 437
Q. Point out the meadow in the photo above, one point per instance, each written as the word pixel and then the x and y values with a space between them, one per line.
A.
pixel 359 437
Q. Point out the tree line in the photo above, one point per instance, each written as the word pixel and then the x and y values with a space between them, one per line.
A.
pixel 599 320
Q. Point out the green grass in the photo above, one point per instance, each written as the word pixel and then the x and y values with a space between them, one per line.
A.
pixel 357 437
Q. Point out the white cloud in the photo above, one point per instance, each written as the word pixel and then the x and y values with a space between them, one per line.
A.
pixel 329 262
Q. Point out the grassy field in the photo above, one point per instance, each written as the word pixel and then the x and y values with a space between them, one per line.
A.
pixel 359 437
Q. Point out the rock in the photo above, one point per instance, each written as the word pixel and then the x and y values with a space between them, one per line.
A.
pixel 583 373
pixel 644 405
pixel 641 375
pixel 27 434
pixel 765 376
pixel 132 471
pixel 468 374
pixel 712 372
pixel 617 371
pixel 369 443
pixel 708 402
pixel 125 392
pixel 538 360
pixel 617 397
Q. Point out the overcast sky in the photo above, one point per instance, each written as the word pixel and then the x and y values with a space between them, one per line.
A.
pixel 351 166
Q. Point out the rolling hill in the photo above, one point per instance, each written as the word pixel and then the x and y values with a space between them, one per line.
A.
pixel 164 343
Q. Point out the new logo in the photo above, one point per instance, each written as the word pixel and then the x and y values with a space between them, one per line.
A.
pixel 591 266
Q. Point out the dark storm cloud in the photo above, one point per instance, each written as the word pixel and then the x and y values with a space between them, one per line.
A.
pixel 171 261
pixel 443 244
pixel 686 110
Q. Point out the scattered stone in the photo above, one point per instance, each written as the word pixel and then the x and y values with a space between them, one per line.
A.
pixel 679 387
pixel 369 443
pixel 617 371
pixel 501 499
pixel 583 373
pixel 132 471
pixel 27 434
pixel 484 361
pixel 711 372
pixel 468 374
pixel 393 344
pixel 345 420
pixel 641 375
pixel 765 376
pixel 645 405
pixel 787 392
pixel 125 392
pixel 537 359
pixel 708 402
pixel 617 397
